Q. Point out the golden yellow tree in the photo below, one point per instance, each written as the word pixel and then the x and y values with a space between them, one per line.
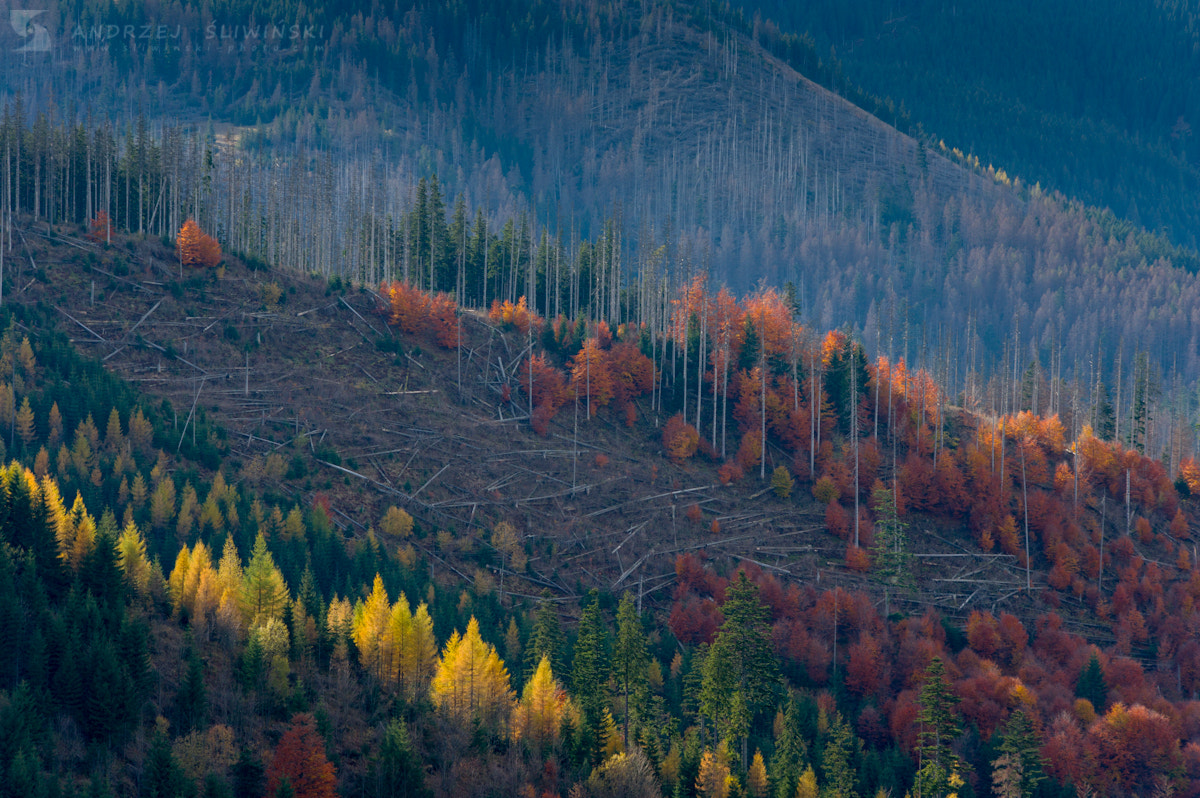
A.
pixel 114 437
pixel 372 634
pixel 416 649
pixel 199 564
pixel 756 777
pixel 471 682
pixel 162 503
pixel 229 570
pixel 543 708
pixel 396 523
pixel 176 579
pixel 25 429
pixel 713 779
pixel 806 786
pixel 131 557
pixel 74 531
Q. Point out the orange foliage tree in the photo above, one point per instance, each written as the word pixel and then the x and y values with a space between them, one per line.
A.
pixel 591 376
pixel 415 311
pixel 195 247
pixel 680 438
pixel 300 759
pixel 517 316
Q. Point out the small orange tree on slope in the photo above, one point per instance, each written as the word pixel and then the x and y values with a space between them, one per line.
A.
pixel 195 247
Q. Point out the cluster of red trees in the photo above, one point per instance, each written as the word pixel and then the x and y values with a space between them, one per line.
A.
pixel 604 372
pixel 1140 730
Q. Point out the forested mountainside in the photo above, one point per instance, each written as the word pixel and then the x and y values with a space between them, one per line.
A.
pixel 725 554
pixel 1094 99
pixel 684 143
pixel 576 399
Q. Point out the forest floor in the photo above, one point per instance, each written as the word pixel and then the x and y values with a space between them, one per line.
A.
pixel 308 380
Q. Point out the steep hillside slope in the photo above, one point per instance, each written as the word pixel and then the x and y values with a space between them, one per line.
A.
pixel 1038 577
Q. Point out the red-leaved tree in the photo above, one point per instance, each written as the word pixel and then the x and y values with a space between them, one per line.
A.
pixel 300 759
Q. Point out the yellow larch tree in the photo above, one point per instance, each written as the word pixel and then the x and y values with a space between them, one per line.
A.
pixel 162 503
pixel 543 708
pixel 471 682
pixel 56 517
pixel 25 429
pixel 176 579
pixel 806 786
pixel 211 519
pixel 74 531
pixel 372 634
pixel 198 565
pixel 229 571
pixel 137 491
pixel 187 511
pixel 131 557
pixel 713 779
pixel 396 523
pixel 114 437
pixel 416 649
pixel 141 431
pixel 55 432
pixel 756 778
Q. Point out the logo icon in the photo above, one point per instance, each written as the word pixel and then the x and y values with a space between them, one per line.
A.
pixel 38 35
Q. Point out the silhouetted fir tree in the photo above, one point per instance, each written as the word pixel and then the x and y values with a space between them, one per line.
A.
pixel 191 702
pixel 839 381
pixel 939 727
pixel 98 787
pixel 748 356
pixel 24 775
pixel 100 574
pixel 107 701
pixel 37 664
pixel 133 649
pixel 741 663
pixel 217 787
pixel 1092 685
pixel 67 684
pixel 589 677
pixel 395 770
pixel 12 623
pixel 545 640
pixel 1020 742
pixel 791 749
pixel 1103 418
pixel 630 659
pixel 22 723
pixel 161 776
pixel 248 775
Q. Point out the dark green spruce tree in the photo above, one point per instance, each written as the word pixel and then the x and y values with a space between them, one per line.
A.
pixel 589 678
pixel 741 674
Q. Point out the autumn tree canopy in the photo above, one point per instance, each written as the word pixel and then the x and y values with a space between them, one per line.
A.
pixel 196 248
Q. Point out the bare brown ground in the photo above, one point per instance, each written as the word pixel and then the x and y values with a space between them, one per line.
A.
pixel 304 376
